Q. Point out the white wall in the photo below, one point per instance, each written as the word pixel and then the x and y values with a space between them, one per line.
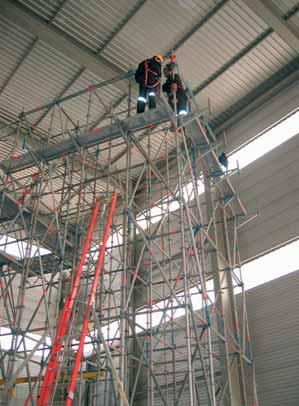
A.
pixel 260 119
pixel 270 186
pixel 274 325
pixel 274 330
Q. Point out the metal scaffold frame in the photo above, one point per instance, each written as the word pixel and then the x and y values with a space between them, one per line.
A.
pixel 138 309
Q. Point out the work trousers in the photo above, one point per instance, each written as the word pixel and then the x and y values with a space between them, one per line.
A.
pixel 181 101
pixel 146 94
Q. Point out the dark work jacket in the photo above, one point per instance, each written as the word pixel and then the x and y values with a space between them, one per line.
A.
pixel 148 73
pixel 173 79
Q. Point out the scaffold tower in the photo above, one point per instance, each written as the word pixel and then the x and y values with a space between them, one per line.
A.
pixel 120 270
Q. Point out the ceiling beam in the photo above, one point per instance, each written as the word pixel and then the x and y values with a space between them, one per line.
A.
pixel 286 76
pixel 271 15
pixel 193 30
pixel 125 20
pixel 60 41
pixel 58 9
pixel 18 65
pixel 121 25
pixel 236 58
pixel 231 62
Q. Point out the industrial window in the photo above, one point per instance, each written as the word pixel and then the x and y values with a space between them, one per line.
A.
pixel 279 133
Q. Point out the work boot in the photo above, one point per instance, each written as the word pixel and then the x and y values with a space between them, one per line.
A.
pixel 140 106
pixel 152 102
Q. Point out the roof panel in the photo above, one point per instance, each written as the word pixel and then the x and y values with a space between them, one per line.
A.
pixel 216 43
pixel 155 29
pixel 41 76
pixel 285 5
pixel 254 68
pixel 295 20
pixel 44 8
pixel 92 22
pixel 14 44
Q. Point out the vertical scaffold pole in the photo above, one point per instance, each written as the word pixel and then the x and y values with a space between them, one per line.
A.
pixel 90 301
pixel 51 371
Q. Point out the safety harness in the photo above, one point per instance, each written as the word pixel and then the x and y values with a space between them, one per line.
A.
pixel 179 83
pixel 147 71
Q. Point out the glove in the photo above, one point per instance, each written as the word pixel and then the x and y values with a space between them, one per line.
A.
pixel 174 87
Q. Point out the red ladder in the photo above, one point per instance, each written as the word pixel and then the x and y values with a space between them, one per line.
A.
pixel 89 302
pixel 63 323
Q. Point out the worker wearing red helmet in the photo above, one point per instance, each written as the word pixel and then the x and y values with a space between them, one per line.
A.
pixel 174 88
pixel 148 76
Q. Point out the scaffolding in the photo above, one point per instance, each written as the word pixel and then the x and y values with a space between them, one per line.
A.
pixel 148 316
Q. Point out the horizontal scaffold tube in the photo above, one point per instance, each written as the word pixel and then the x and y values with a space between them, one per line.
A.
pixel 91 138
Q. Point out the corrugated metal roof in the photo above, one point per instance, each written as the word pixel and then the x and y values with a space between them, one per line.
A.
pixel 45 73
pixel 209 57
pixel 92 22
pixel 226 34
pixel 154 29
pixel 14 43
pixel 44 8
pixel 285 5
pixel 42 75
pixel 295 20
pixel 254 68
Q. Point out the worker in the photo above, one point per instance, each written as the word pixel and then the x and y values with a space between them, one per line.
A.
pixel 223 160
pixel 174 88
pixel 148 76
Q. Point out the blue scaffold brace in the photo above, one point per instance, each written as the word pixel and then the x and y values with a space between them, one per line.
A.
pixel 208 317
pixel 228 198
pixel 196 229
